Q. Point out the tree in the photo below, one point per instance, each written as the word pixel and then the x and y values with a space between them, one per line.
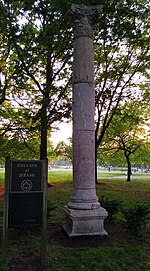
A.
pixel 65 150
pixel 8 147
pixel 41 51
pixel 142 156
pixel 126 133
pixel 38 60
pixel 121 60
pixel 18 148
pixel 5 43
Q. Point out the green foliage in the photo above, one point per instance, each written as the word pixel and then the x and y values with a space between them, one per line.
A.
pixel 65 150
pixel 4 263
pixel 19 149
pixel 36 53
pixel 112 205
pixel 50 207
pixel 136 217
pixel 36 61
pixel 121 54
pixel 127 136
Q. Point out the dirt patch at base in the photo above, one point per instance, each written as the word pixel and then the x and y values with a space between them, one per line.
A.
pixel 29 261
pixel 1 190
pixel 57 236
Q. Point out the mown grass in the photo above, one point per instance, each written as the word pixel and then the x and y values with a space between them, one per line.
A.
pixel 114 258
pixel 1 176
pixel 131 254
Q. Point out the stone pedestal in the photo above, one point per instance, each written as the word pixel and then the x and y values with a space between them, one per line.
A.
pixel 84 216
pixel 85 222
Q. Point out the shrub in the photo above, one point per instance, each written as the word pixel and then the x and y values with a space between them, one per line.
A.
pixel 111 205
pixel 1 212
pixel 136 217
pixel 50 207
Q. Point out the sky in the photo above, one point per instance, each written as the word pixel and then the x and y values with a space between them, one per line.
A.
pixel 64 132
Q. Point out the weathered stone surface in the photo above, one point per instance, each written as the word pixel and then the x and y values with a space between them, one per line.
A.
pixel 84 19
pixel 84 216
pixel 83 106
pixel 85 222
pixel 84 199
pixel 84 193
pixel 84 159
pixel 83 65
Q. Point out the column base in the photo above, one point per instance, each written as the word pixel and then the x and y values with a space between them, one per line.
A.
pixel 85 222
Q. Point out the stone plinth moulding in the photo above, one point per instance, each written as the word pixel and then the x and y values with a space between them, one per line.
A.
pixel 84 215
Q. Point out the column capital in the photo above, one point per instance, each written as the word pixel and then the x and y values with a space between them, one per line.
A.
pixel 84 19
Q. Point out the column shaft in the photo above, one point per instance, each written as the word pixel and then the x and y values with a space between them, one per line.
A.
pixel 84 216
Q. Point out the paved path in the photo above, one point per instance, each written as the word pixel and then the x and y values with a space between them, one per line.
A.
pixel 132 176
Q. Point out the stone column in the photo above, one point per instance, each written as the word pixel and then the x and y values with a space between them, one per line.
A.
pixel 84 216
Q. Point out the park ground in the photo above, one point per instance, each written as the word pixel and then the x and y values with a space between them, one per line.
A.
pixel 121 250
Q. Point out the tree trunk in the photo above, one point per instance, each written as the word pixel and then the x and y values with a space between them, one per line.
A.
pixel 129 169
pixel 43 144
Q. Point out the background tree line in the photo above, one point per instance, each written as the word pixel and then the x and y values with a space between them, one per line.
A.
pixel 36 69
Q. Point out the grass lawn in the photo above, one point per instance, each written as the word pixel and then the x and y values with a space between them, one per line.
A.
pixel 120 251
pixel 1 175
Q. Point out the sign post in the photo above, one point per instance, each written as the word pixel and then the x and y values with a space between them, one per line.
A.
pixel 26 198
pixel 6 201
pixel 44 215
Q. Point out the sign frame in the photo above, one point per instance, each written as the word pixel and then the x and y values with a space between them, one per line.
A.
pixel 9 192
